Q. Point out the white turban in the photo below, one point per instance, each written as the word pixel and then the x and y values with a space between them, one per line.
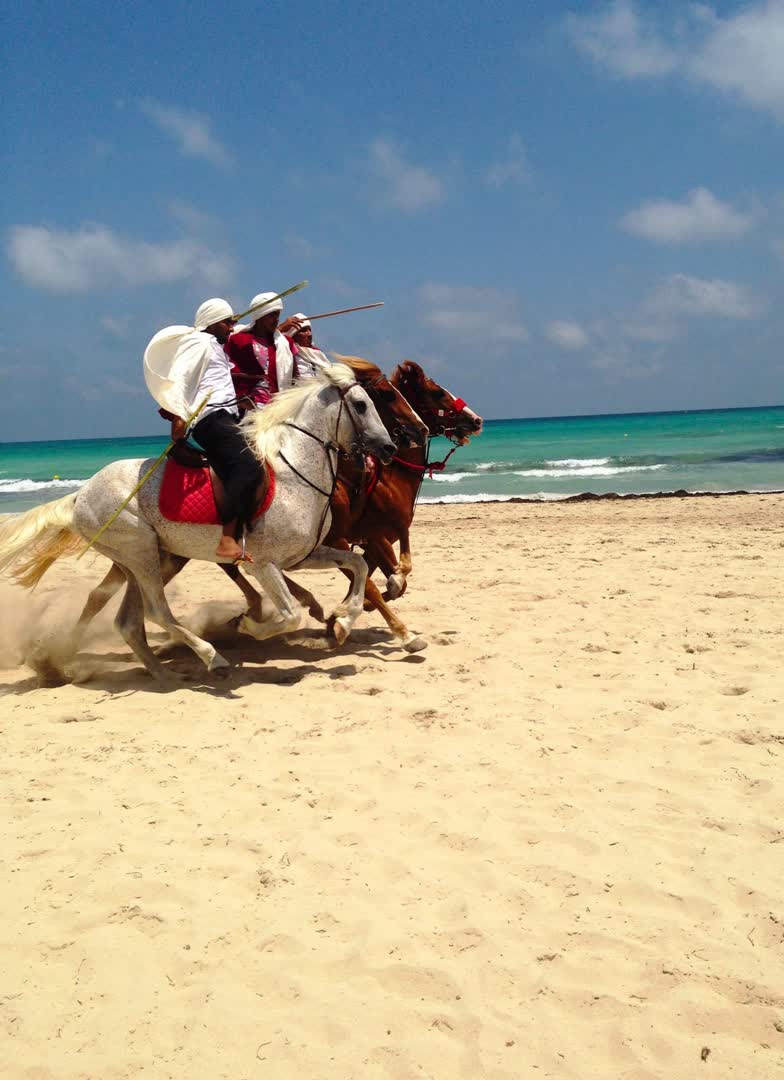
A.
pixel 210 312
pixel 303 322
pixel 264 303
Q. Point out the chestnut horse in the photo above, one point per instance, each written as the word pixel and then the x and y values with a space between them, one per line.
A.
pixel 377 516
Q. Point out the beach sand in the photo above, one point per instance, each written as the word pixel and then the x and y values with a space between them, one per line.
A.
pixel 552 845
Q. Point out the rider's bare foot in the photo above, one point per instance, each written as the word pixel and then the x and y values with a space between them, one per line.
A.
pixel 228 548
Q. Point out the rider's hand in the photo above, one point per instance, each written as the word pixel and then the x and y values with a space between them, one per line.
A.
pixel 178 429
pixel 290 326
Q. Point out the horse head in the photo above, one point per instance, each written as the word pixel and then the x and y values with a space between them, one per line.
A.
pixel 359 426
pixel 403 424
pixel 442 412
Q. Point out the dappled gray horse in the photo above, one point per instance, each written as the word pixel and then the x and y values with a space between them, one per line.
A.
pixel 299 434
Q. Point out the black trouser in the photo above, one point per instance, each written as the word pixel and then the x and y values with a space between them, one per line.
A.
pixel 233 460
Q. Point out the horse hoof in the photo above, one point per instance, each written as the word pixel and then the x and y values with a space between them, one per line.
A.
pixel 217 663
pixel 416 643
pixel 396 586
pixel 337 629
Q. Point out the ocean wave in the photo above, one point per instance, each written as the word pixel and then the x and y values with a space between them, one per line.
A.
pixel 578 463
pixel 491 466
pixel 17 486
pixel 452 477
pixel 593 470
pixel 483 496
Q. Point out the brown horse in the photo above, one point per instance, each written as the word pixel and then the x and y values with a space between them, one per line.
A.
pixel 377 516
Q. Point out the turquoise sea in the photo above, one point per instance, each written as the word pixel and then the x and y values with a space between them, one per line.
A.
pixel 553 458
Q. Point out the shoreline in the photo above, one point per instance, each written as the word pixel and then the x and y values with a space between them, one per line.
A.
pixel 582 497
pixel 590 497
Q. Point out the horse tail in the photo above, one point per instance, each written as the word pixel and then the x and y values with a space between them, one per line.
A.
pixel 42 536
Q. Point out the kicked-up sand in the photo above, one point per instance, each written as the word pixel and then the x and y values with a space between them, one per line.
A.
pixel 552 845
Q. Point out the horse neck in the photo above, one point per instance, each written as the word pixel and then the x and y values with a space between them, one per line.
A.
pixel 319 420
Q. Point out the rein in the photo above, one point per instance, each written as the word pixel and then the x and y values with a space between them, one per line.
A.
pixel 329 446
pixel 429 467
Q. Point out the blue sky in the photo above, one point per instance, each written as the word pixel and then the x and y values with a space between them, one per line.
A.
pixel 567 208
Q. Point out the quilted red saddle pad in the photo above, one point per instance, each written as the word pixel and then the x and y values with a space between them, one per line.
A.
pixel 187 496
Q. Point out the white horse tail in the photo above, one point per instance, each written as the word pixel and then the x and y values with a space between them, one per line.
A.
pixel 42 536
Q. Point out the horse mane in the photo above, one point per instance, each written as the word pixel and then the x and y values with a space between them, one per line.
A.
pixel 408 372
pixel 359 366
pixel 265 428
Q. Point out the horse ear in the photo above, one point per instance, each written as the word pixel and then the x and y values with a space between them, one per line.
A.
pixel 408 372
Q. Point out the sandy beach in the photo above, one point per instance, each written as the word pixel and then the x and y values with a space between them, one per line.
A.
pixel 551 845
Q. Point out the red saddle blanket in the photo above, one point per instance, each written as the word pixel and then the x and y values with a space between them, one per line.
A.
pixel 187 495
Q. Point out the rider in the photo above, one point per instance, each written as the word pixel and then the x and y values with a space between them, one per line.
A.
pixel 201 356
pixel 263 360
pixel 310 360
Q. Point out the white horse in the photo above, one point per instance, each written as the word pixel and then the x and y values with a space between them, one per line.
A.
pixel 300 434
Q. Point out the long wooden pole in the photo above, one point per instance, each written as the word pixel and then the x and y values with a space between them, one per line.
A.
pixel 143 480
pixel 272 299
pixel 344 311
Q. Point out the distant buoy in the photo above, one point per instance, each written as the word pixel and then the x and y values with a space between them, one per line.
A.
pixel 55 477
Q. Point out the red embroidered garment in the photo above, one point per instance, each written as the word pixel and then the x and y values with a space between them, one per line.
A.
pixel 254 367
pixel 186 495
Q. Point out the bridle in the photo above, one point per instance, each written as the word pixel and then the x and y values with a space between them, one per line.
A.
pixel 398 432
pixel 439 421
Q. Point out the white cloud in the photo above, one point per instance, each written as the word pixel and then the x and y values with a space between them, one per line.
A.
pixel 190 130
pixel 472 314
pixel 116 326
pixel 700 217
pixel 739 53
pixel 623 42
pixel 513 167
pixel 301 248
pixel 403 185
pixel 568 335
pixel 93 257
pixel 680 295
pixel 742 54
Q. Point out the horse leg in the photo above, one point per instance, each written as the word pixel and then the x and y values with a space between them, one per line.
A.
pixel 410 641
pixel 307 599
pixel 397 569
pixel 113 581
pixel 99 597
pixel 130 623
pixel 346 613
pixel 373 601
pixel 142 560
pixel 368 554
pixel 252 598
pixel 286 616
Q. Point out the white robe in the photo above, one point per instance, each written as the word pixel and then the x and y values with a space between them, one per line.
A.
pixel 174 363
pixel 310 362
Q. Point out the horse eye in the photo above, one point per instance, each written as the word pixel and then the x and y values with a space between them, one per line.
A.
pixel 387 395
pixel 361 407
pixel 437 395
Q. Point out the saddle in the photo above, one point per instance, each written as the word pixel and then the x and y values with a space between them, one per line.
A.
pixel 192 493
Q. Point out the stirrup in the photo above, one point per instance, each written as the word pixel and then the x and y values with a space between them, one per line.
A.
pixel 243 545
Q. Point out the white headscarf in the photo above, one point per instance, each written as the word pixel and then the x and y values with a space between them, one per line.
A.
pixel 303 322
pixel 210 312
pixel 177 356
pixel 262 304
